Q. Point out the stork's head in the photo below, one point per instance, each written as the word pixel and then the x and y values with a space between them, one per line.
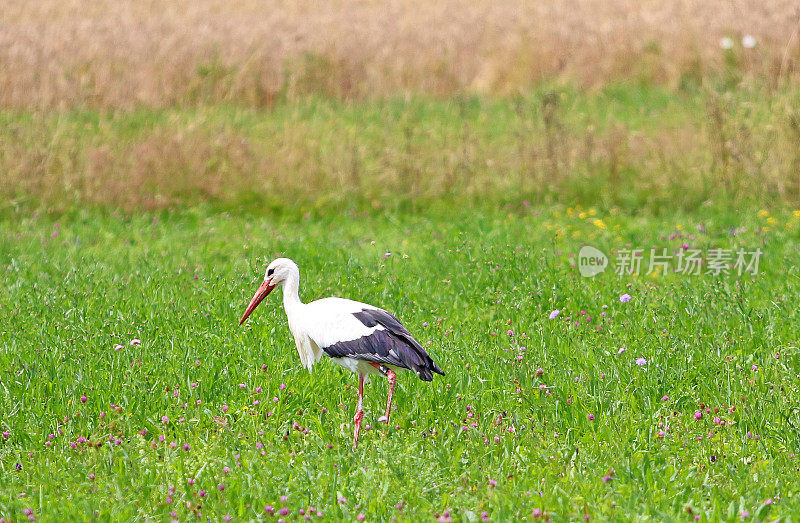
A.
pixel 277 273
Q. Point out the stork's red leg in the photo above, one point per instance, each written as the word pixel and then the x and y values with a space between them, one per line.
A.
pixel 359 410
pixel 391 377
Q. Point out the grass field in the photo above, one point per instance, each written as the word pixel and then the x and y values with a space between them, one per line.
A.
pixel 196 419
pixel 448 162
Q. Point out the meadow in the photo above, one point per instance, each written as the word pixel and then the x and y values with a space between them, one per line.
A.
pixel 130 392
pixel 447 162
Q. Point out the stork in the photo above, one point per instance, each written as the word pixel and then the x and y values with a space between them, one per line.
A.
pixel 359 337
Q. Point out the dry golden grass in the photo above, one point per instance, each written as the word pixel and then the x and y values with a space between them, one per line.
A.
pixel 121 54
pixel 178 77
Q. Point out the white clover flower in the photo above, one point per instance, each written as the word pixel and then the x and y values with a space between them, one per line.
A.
pixel 726 43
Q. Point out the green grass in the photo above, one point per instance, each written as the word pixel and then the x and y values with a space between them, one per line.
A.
pixel 70 290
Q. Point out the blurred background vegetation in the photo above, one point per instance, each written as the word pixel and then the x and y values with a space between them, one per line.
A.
pixel 400 104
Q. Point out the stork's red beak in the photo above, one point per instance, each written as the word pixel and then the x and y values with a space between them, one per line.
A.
pixel 265 288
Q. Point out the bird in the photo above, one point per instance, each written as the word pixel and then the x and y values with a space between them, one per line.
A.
pixel 360 337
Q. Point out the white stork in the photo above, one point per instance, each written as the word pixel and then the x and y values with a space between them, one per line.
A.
pixel 357 336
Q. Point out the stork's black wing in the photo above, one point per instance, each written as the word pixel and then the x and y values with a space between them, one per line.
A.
pixel 392 344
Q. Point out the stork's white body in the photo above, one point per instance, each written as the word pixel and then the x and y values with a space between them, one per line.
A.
pixel 326 322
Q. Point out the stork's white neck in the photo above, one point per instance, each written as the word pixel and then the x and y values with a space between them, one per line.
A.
pixel 291 292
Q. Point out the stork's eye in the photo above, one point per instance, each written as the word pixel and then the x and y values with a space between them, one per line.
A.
pixel 269 272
